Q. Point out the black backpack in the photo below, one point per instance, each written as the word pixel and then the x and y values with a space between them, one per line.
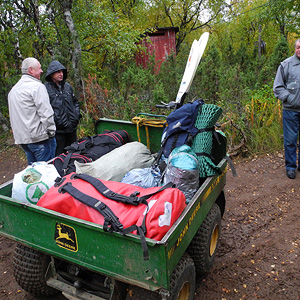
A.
pixel 89 149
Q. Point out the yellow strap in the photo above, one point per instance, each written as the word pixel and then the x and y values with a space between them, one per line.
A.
pixel 147 122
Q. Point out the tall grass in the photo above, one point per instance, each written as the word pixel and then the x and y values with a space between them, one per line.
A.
pixel 264 116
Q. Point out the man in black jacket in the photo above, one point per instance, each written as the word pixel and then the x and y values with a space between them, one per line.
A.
pixel 65 105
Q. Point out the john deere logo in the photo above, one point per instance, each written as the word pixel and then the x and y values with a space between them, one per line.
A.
pixel 35 191
pixel 65 237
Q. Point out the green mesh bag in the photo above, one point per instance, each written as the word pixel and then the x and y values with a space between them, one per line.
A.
pixel 203 142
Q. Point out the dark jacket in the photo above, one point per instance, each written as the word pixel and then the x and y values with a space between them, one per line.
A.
pixel 63 101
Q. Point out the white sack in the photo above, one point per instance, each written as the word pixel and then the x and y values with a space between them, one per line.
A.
pixel 34 181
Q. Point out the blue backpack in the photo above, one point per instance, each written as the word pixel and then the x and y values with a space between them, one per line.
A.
pixel 181 127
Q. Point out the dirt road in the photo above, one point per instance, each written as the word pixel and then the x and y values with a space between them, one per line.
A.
pixel 258 257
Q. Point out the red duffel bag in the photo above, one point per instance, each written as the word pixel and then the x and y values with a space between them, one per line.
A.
pixel 117 206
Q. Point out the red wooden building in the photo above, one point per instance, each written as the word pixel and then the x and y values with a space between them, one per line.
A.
pixel 162 44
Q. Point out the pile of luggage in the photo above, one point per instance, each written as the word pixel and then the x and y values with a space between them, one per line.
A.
pixel 118 183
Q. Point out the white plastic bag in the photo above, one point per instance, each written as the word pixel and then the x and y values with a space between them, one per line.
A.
pixel 33 182
pixel 145 178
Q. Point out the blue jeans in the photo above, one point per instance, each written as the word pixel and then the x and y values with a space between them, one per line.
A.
pixel 41 151
pixel 53 146
pixel 291 126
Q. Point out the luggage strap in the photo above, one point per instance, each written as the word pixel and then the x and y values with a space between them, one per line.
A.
pixel 189 141
pixel 111 221
pixel 230 162
pixel 66 162
pixel 80 146
pixel 133 199
pixel 76 148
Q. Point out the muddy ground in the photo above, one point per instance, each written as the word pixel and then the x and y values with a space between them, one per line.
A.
pixel 258 256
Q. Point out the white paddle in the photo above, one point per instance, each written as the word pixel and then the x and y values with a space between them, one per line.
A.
pixel 194 58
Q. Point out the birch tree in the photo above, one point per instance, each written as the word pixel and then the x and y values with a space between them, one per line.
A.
pixel 75 49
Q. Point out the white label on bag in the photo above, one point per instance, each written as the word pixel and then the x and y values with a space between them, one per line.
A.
pixel 165 219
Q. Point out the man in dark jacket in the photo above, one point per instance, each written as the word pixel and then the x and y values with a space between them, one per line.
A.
pixel 65 105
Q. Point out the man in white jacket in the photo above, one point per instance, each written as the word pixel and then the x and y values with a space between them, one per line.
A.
pixel 31 115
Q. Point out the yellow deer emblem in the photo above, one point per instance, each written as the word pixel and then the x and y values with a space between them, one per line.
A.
pixel 63 235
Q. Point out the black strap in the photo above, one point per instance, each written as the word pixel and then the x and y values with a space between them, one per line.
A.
pixel 141 230
pixel 106 192
pixel 66 163
pixel 161 150
pixel 111 221
pixel 173 146
pixel 141 233
pixel 164 187
pixel 230 162
pixel 80 144
pixel 133 199
pixel 77 147
pixel 206 129
pixel 217 137
pixel 203 154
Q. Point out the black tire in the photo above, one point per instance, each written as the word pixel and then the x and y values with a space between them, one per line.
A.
pixel 203 247
pixel 183 280
pixel 182 283
pixel 29 268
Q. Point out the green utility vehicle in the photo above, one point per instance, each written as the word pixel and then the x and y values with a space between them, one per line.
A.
pixel 107 265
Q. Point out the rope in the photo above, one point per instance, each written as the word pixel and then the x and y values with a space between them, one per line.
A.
pixel 141 121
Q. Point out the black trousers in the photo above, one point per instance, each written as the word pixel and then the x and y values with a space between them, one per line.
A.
pixel 63 140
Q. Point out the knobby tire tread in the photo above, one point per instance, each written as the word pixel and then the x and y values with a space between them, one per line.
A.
pixel 29 268
pixel 199 246
pixel 184 272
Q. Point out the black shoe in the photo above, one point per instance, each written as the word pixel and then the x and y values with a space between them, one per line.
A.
pixel 291 174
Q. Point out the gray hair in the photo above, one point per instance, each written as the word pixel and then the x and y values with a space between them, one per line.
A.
pixel 29 62
pixel 297 41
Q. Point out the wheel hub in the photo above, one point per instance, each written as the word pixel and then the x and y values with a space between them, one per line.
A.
pixel 214 240
pixel 184 293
